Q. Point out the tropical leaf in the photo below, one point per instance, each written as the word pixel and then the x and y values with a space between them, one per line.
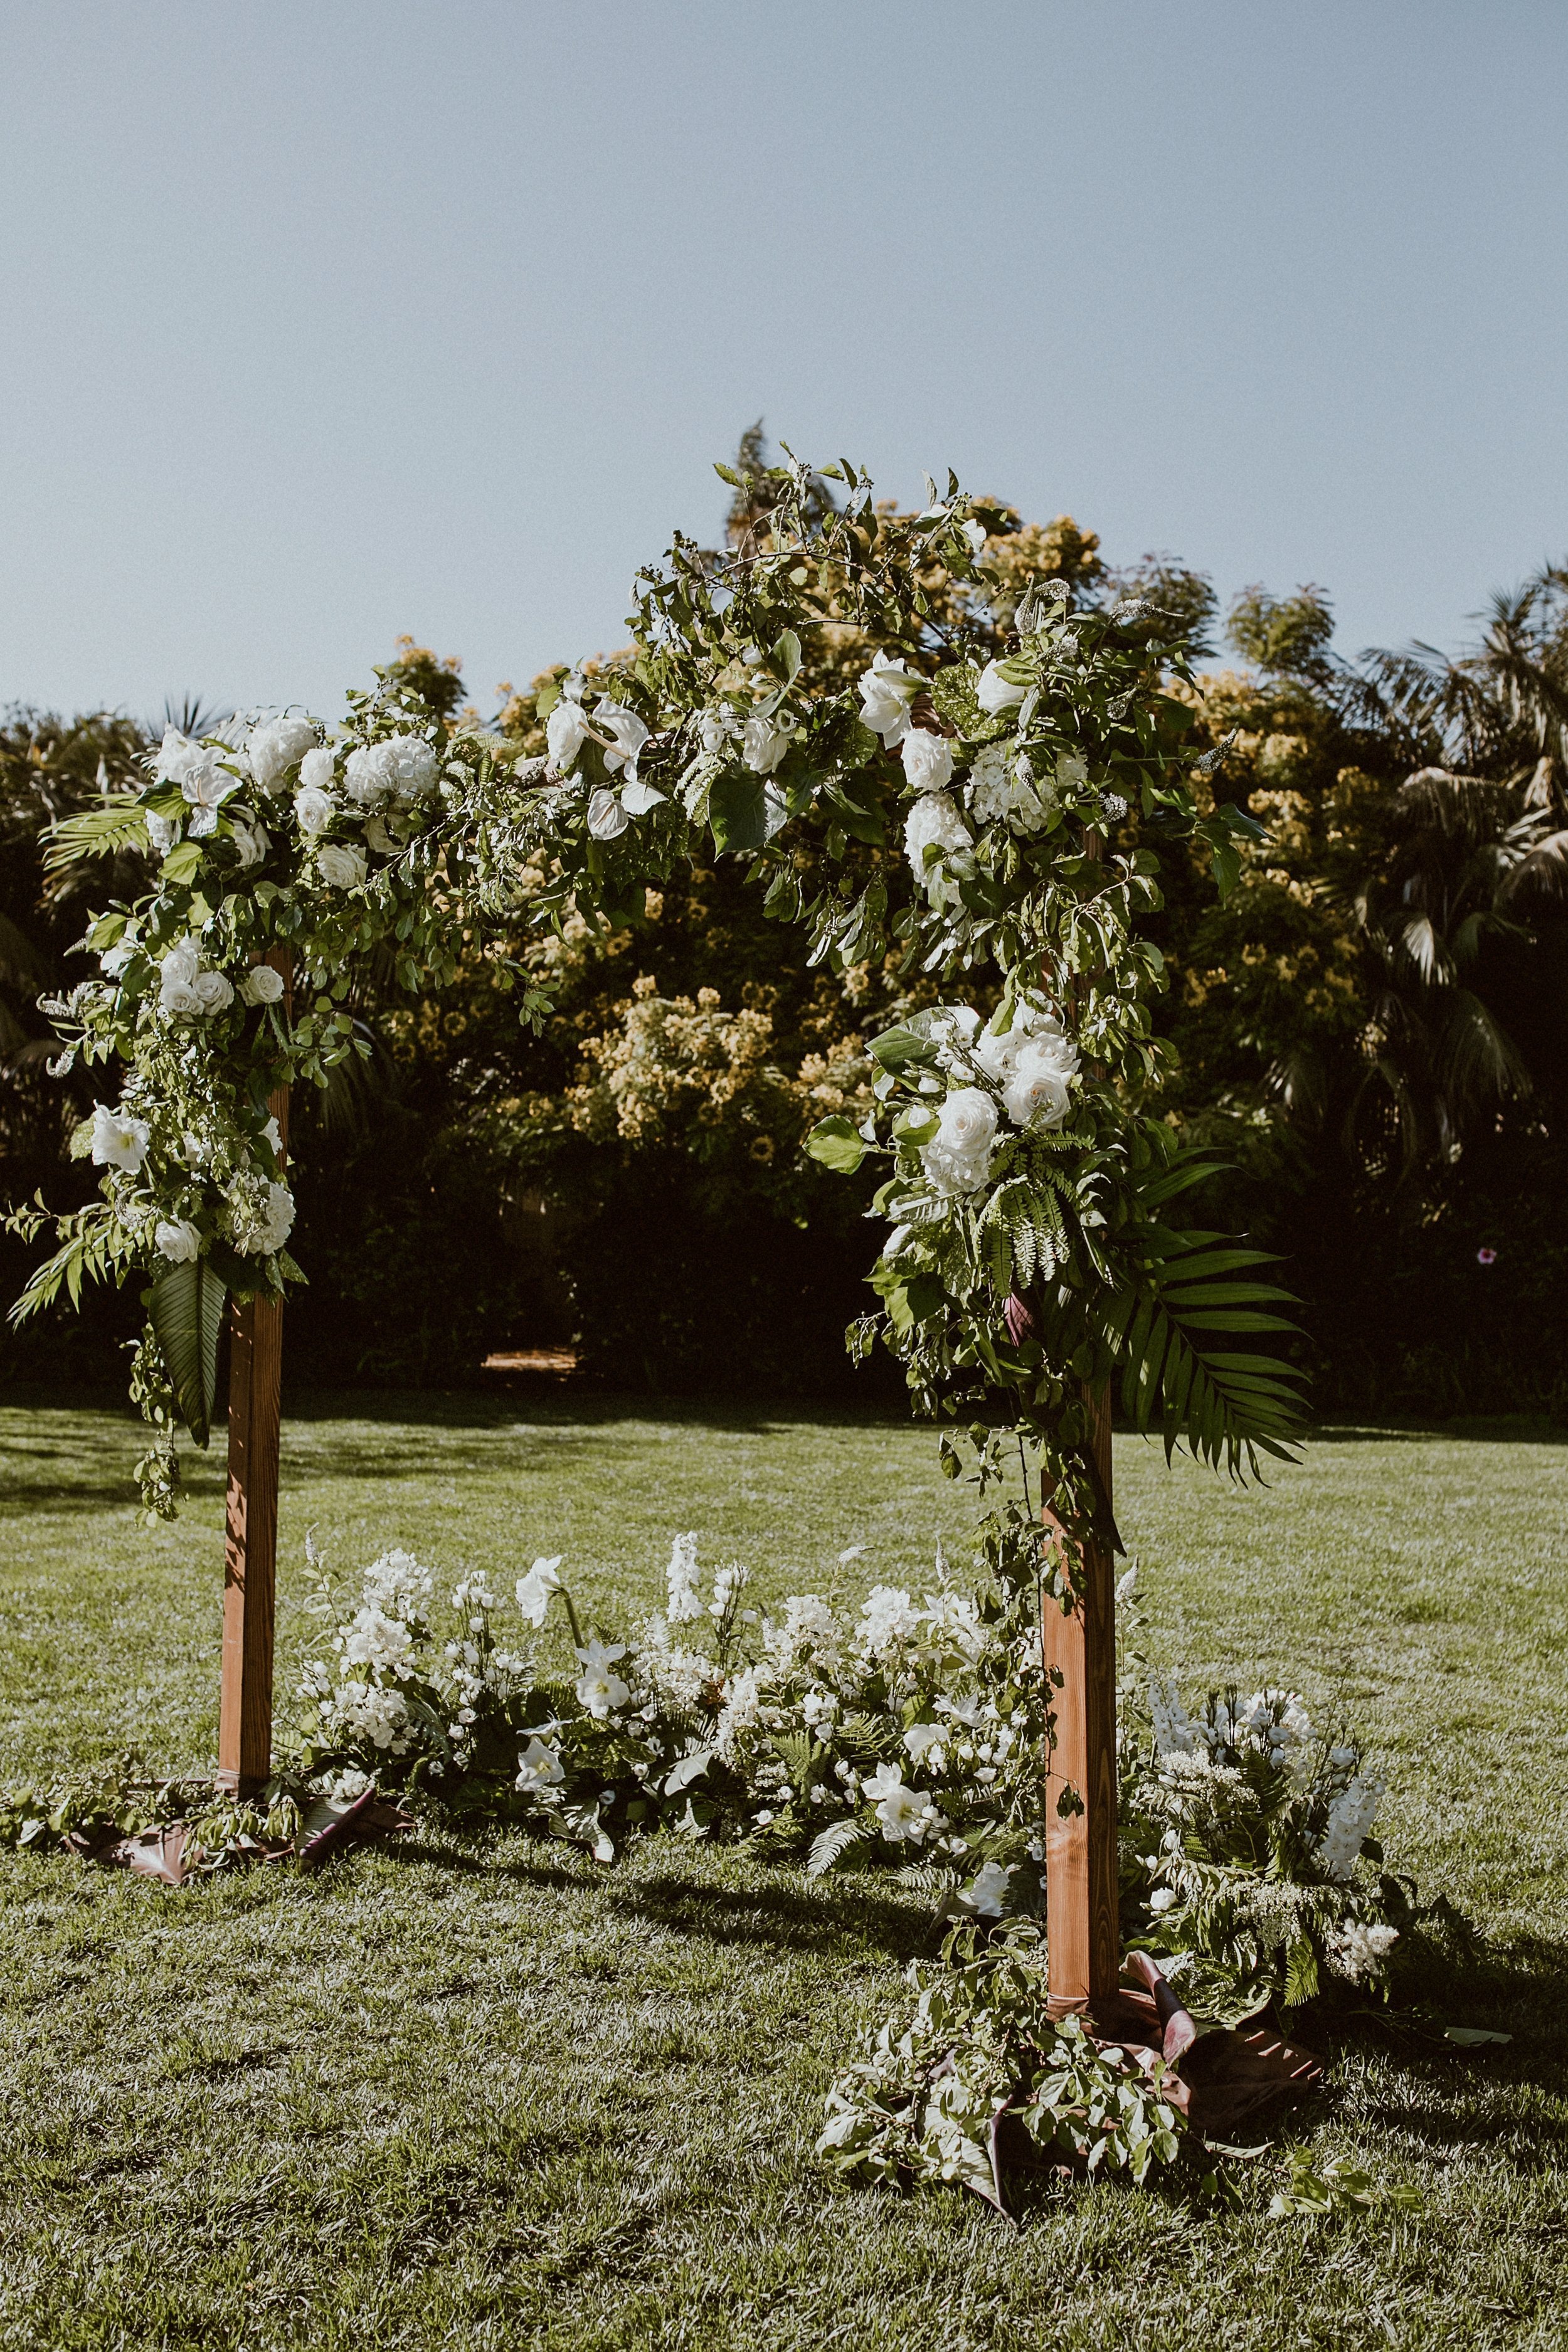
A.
pixel 184 1308
pixel 839 1839
pixel 117 823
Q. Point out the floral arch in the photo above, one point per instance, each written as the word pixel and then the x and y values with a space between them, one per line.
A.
pixel 992 822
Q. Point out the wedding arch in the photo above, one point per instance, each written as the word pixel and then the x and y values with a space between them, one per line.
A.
pixel 993 821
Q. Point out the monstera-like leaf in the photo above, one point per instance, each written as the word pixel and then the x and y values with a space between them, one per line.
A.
pixel 184 1308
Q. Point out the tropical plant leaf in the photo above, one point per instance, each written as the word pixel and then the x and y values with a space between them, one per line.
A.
pixel 117 823
pixel 830 1846
pixel 184 1308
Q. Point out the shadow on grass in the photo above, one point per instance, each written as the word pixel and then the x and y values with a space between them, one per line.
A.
pixel 844 1917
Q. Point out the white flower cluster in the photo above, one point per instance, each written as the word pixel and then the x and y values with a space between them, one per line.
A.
pixel 621 736
pixel 1025 1072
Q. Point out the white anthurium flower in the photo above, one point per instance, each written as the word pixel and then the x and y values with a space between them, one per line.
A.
pixel 887 690
pixel 994 692
pixel 207 788
pixel 933 821
pixel 565 732
pixel 987 1894
pixel 316 770
pixel 534 1589
pixel 272 1136
pixel 342 865
pixel 765 743
pixel 928 760
pixel 261 986
pixel 958 1157
pixel 177 1240
pixel 607 818
pixel 626 732
pixel 637 798
pixel 274 746
pixel 315 808
pixel 118 1140
pixel 921 1737
pixel 538 1769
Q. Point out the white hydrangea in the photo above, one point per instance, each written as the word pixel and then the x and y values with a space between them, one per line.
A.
pixel 933 821
pixel 402 769
pixel 274 746
pixel 261 1217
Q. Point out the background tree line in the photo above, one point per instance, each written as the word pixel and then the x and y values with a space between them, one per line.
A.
pixel 1372 1023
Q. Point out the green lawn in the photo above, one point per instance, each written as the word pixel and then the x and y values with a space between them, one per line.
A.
pixel 491 2095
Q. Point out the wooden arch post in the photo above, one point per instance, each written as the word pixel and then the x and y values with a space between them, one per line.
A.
pixel 1083 1935
pixel 250 1558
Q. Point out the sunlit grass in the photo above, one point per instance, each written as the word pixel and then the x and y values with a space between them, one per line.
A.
pixel 488 2094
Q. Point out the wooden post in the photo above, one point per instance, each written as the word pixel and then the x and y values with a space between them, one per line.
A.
pixel 250 1564
pixel 1081 1922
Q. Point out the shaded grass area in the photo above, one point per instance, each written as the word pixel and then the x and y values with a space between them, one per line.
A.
pixel 483 2093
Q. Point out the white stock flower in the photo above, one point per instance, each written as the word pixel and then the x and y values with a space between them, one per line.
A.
pixel 118 1140
pixel 274 746
pixel 342 865
pixel 315 808
pixel 933 821
pixel 1351 1816
pixel 994 692
pixel 987 1894
pixel 683 1603
pixel 1175 1734
pixel 534 1589
pixel 565 732
pixel 887 690
pixel 599 1690
pixel 177 1240
pixel 261 986
pixel 902 1812
pixel 608 820
pixel 958 1157
pixel 928 760
pixel 316 770
pixel 765 743
pixel 626 731
pixel 539 1768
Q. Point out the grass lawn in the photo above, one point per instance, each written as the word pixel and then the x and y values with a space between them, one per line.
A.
pixel 489 2094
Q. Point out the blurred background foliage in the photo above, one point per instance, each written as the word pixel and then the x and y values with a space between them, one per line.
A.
pixel 1373 1025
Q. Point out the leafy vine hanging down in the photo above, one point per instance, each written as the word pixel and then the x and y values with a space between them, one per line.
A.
pixel 994 825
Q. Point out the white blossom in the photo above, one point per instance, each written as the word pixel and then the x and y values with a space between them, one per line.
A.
pixel 1350 1817
pixel 316 770
pixel 118 1140
pixel 315 808
pixel 262 984
pixel 538 1769
pixel 994 692
pixel 987 1894
pixel 763 744
pixel 902 1812
pixel 274 746
pixel 888 1616
pixel 599 1690
pixel 1357 1950
pixel 177 1240
pixel 958 1157
pixel 178 757
pixel 887 690
pixel 928 760
pixel 683 1603
pixel 565 732
pixel 626 731
pixel 607 818
pixel 534 1589
pixel 933 821
pixel 1035 1092
pixel 263 1222
pixel 114 961
pixel 342 865
pixel 921 1737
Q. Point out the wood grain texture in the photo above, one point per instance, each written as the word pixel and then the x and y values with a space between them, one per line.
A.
pixel 250 1558
pixel 1085 1944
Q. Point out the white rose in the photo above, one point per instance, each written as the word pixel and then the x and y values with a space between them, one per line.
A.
pixel 177 974
pixel 934 819
pixel 316 769
pixel 958 1157
pixel 314 809
pixel 763 744
pixel 342 867
pixel 261 986
pixel 928 760
pixel 368 776
pixel 212 992
pixel 1035 1092
pixel 887 690
pixel 274 746
pixel 118 1140
pixel 565 732
pixel 628 731
pixel 994 692
pixel 274 1224
pixel 606 817
pixel 177 1240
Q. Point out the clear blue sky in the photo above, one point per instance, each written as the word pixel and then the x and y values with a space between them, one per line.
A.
pixel 325 321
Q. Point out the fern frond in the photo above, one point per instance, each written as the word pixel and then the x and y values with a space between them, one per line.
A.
pixel 839 1839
